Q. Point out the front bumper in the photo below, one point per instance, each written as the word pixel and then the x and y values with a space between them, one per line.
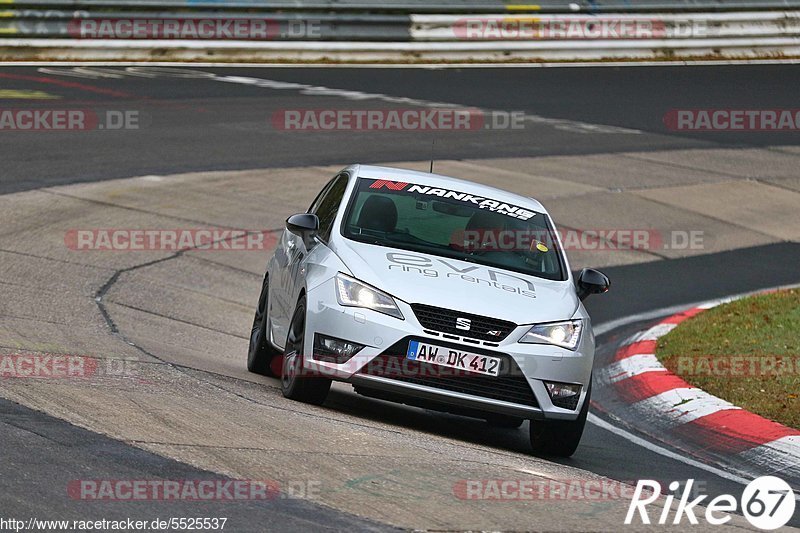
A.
pixel 518 391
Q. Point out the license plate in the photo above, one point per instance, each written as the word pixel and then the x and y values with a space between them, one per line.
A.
pixel 452 358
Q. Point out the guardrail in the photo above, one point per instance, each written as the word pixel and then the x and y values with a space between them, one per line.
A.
pixel 398 28
pixel 604 27
pixel 412 7
pixel 281 26
pixel 131 32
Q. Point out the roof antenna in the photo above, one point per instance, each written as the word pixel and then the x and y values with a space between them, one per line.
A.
pixel 433 142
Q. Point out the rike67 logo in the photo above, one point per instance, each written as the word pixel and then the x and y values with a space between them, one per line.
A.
pixel 767 502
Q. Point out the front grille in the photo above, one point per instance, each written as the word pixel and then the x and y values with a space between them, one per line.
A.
pixel 510 386
pixel 480 327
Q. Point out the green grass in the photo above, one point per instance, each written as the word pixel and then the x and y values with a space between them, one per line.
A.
pixel 747 352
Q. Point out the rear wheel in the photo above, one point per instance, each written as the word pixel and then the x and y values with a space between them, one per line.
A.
pixel 260 353
pixel 294 384
pixel 560 437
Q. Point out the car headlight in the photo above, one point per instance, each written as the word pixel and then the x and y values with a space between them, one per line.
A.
pixel 565 334
pixel 352 293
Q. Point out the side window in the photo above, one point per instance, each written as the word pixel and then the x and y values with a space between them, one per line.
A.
pixel 327 205
pixel 321 195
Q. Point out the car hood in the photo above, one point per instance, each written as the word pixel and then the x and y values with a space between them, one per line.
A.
pixel 459 285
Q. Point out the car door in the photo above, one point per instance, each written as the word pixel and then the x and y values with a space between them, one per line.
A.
pixel 292 251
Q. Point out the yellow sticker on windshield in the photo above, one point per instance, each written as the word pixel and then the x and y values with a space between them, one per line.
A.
pixel 539 246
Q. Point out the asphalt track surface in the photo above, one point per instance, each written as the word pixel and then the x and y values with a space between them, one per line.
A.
pixel 42 455
pixel 202 124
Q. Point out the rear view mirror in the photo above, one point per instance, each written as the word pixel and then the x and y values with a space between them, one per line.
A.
pixel 591 281
pixel 305 226
pixel 452 209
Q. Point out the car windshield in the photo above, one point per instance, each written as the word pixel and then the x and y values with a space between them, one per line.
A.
pixel 453 224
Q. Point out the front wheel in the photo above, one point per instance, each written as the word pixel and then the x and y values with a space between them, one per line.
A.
pixel 260 353
pixel 560 438
pixel 294 384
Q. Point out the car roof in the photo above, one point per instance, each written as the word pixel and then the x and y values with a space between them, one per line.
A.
pixel 446 182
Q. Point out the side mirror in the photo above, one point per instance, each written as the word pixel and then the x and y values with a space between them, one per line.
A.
pixel 592 281
pixel 305 226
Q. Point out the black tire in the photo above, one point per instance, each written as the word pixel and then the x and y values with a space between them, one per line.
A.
pixel 560 438
pixel 260 352
pixel 504 421
pixel 294 385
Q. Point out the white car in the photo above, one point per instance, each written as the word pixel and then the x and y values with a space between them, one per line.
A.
pixel 434 292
